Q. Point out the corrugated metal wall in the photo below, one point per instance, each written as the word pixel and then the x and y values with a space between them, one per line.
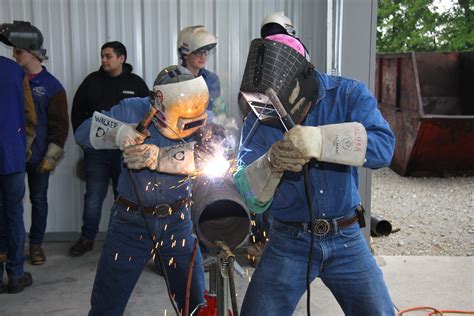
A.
pixel 75 30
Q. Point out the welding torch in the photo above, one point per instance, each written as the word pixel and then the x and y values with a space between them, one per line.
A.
pixel 142 126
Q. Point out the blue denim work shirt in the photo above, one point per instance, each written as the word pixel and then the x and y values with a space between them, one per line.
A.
pixel 334 187
pixel 154 187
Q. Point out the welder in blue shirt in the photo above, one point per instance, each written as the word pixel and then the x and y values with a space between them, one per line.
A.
pixel 161 166
pixel 339 128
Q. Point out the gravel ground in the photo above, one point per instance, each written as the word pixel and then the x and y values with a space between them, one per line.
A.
pixel 434 215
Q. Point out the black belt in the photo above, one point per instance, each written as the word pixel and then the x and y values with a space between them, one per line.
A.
pixel 323 226
pixel 160 210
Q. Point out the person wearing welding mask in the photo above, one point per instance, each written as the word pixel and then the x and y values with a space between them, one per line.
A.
pixel 178 144
pixel 272 24
pixel 338 129
pixel 47 149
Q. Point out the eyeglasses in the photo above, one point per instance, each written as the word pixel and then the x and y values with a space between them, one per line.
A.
pixel 202 53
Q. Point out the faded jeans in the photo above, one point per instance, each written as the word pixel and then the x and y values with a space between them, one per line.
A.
pixel 38 185
pixel 341 259
pixel 100 167
pixel 127 250
pixel 12 227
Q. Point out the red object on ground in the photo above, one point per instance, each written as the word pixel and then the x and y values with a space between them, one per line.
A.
pixel 210 309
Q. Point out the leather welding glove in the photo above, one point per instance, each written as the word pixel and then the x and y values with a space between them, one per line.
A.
pixel 177 159
pixel 264 174
pixel 29 142
pixel 344 143
pixel 51 159
pixel 109 133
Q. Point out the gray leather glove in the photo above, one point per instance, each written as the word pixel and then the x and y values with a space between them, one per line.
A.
pixel 51 159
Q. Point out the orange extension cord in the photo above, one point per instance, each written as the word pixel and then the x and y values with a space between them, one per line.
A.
pixel 435 311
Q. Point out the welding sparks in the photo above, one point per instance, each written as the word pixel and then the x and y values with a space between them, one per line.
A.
pixel 217 166
pixel 116 256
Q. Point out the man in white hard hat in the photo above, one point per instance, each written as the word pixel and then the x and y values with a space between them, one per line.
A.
pixel 194 45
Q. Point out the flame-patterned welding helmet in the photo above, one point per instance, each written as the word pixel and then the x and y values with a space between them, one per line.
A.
pixel 182 101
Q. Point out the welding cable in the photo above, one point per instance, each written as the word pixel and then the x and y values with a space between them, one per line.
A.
pixel 288 123
pixel 435 311
pixel 190 277
pixel 233 295
pixel 158 259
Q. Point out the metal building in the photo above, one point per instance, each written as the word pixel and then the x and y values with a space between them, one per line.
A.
pixel 340 36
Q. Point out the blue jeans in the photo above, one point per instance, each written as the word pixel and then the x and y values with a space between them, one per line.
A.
pixel 12 227
pixel 127 250
pixel 100 166
pixel 38 185
pixel 341 259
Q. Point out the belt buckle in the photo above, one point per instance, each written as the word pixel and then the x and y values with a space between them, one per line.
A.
pixel 321 227
pixel 162 210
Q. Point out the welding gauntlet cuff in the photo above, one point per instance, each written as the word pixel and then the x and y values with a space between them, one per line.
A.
pixel 344 143
pixel 176 159
pixel 109 133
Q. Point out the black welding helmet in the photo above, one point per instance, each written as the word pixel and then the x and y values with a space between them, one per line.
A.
pixel 21 35
pixel 272 64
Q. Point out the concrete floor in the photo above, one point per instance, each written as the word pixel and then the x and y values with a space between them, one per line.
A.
pixel 63 285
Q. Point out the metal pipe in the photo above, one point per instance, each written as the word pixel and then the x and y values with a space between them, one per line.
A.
pixel 218 212
pixel 379 226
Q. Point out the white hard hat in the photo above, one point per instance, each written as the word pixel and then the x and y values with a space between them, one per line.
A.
pixel 182 100
pixel 195 38
pixel 276 23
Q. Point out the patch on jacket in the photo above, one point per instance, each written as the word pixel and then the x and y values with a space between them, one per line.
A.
pixel 128 92
pixel 39 91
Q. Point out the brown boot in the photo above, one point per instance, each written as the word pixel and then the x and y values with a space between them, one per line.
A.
pixel 18 285
pixel 81 247
pixel 37 256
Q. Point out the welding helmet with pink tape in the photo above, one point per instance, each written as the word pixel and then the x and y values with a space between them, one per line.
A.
pixel 278 62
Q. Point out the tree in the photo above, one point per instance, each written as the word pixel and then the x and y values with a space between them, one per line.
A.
pixel 418 25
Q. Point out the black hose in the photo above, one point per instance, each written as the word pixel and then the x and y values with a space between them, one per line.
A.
pixel 309 199
pixel 158 259
pixel 233 296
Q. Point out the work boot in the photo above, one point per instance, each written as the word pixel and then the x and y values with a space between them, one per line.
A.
pixel 37 256
pixel 18 285
pixel 81 247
